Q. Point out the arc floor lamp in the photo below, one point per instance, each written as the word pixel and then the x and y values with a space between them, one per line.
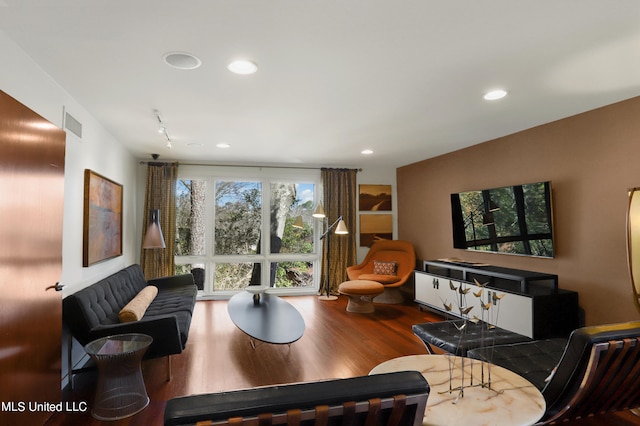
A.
pixel 340 229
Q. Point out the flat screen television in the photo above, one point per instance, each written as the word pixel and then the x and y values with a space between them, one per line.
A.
pixel 513 220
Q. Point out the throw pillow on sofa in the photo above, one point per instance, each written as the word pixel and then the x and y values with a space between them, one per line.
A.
pixel 135 309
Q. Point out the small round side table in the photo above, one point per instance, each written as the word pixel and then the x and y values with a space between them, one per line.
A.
pixel 120 392
pixel 511 400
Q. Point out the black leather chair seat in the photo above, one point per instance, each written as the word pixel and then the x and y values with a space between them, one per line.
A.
pixel 446 336
pixel 532 360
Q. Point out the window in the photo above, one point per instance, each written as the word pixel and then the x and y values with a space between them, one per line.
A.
pixel 288 202
pixel 238 212
pixel 222 220
pixel 191 227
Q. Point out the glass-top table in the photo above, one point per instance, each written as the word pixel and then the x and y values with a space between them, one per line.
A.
pixel 266 317
pixel 120 392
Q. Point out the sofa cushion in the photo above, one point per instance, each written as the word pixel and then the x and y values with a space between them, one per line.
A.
pixel 135 309
pixel 174 299
pixel 126 284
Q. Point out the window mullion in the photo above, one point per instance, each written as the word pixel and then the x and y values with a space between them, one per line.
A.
pixel 266 232
pixel 210 231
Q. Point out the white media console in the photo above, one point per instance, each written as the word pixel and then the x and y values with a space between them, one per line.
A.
pixel 532 305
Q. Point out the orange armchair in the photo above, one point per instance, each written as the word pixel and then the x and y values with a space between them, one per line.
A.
pixel 378 266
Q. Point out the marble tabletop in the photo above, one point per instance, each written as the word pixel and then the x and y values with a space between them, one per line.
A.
pixel 511 400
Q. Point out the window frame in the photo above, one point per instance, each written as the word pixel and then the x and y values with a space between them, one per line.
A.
pixel 266 176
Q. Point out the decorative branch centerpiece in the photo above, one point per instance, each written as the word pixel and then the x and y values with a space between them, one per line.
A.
pixel 489 313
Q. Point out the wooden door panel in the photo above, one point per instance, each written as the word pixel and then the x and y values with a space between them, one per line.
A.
pixel 31 206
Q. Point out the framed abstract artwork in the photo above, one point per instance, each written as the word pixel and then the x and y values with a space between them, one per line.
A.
pixel 375 197
pixel 102 225
pixel 375 227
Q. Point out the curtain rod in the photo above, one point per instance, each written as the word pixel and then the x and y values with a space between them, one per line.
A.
pixel 242 165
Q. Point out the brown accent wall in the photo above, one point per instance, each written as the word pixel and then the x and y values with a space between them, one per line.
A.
pixel 591 159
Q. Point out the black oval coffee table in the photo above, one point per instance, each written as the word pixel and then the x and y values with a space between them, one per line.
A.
pixel 266 317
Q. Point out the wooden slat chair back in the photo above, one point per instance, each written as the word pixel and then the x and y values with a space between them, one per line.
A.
pixel 611 382
pixel 373 412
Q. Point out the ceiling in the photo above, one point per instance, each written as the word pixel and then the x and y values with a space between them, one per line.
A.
pixel 404 78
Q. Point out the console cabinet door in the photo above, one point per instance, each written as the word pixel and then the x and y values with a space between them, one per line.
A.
pixel 514 312
pixel 31 185
pixel 427 289
pixel 435 292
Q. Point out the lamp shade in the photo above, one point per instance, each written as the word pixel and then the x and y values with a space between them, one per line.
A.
pixel 153 238
pixel 298 223
pixel 341 228
pixel 319 212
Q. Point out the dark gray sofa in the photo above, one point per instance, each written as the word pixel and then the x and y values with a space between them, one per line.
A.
pixel 92 312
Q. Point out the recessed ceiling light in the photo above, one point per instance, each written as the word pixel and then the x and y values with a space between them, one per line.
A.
pixel 366 152
pixel 182 60
pixel 495 95
pixel 223 145
pixel 243 67
pixel 195 144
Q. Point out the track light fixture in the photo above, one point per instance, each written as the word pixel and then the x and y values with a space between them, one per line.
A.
pixel 163 129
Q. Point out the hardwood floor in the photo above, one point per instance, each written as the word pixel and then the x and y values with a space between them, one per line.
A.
pixel 218 357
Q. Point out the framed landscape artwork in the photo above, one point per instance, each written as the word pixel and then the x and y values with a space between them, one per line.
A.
pixel 375 227
pixel 102 225
pixel 375 197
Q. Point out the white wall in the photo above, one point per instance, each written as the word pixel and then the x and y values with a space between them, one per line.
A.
pixel 25 81
pixel 98 150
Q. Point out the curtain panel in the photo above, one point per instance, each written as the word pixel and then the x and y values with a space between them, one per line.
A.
pixel 339 199
pixel 161 195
